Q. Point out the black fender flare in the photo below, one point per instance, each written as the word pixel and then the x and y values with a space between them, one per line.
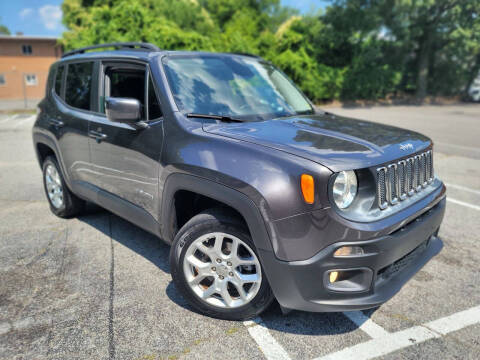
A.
pixel 44 139
pixel 231 197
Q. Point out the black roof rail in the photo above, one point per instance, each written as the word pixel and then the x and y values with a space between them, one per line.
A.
pixel 245 54
pixel 119 45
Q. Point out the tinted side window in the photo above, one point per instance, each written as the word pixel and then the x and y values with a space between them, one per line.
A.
pixel 79 85
pixel 125 83
pixel 154 111
pixel 58 80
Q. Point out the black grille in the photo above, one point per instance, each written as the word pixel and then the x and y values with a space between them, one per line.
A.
pixel 403 262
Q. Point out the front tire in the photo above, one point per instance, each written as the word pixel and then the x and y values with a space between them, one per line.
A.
pixel 215 266
pixel 63 202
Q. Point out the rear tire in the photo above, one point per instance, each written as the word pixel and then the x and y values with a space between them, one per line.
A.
pixel 63 202
pixel 225 284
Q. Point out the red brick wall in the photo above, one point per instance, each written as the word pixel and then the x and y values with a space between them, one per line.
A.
pixel 14 66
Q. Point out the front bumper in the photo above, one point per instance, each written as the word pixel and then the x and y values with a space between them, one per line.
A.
pixel 389 260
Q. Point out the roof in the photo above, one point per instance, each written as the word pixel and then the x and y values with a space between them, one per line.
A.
pixel 133 54
pixel 126 54
pixel 27 37
pixel 135 51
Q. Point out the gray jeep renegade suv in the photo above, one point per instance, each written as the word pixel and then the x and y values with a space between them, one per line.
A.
pixel 260 196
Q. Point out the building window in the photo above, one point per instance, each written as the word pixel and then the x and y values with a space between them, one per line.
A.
pixel 27 49
pixel 31 79
pixel 2 80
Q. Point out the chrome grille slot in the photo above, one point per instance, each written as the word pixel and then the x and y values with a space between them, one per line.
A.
pixel 410 176
pixel 382 188
pixel 418 174
pixel 392 184
pixel 429 166
pixel 402 179
pixel 423 169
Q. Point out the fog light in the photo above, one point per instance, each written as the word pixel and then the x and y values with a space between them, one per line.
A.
pixel 348 251
pixel 333 276
pixel 348 280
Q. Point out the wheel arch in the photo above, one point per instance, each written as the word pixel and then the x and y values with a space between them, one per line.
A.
pixel 45 146
pixel 220 194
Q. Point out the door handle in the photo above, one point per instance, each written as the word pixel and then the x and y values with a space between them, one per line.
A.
pixel 56 123
pixel 97 135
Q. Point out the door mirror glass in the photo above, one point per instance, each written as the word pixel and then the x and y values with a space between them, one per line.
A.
pixel 122 110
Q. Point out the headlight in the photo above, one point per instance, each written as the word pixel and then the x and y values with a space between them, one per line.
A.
pixel 345 188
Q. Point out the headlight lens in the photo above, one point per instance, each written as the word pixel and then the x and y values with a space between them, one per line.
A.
pixel 345 188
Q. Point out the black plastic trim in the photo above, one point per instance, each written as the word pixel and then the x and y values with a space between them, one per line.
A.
pixel 240 202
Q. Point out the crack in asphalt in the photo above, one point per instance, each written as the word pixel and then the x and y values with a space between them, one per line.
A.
pixel 111 343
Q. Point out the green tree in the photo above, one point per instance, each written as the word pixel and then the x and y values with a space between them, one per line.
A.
pixel 4 30
pixel 354 49
pixel 433 29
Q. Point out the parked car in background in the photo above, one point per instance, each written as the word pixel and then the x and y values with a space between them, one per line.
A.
pixel 475 93
pixel 260 196
pixel 474 90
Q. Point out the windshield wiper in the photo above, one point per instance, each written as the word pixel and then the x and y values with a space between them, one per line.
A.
pixel 216 117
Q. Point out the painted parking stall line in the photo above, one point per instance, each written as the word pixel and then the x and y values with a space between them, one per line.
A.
pixel 456 321
pixel 8 118
pixel 395 341
pixel 366 324
pixel 463 203
pixel 265 341
pixel 463 188
pixel 19 123
pixel 383 346
pixel 457 146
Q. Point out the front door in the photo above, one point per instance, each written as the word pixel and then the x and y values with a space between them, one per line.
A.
pixel 125 160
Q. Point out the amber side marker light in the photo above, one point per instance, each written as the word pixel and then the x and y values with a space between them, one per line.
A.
pixel 308 188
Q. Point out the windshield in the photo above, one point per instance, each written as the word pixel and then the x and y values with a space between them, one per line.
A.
pixel 232 86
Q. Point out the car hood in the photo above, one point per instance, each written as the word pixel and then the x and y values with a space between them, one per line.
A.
pixel 336 142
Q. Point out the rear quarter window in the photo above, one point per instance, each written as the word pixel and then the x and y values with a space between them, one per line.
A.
pixel 79 85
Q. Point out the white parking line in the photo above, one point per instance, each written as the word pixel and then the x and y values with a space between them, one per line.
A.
pixel 366 324
pixel 395 341
pixel 463 203
pixel 458 146
pixel 21 122
pixel 456 321
pixel 8 118
pixel 265 341
pixel 463 188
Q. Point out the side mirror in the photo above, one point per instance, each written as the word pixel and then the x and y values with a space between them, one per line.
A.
pixel 122 110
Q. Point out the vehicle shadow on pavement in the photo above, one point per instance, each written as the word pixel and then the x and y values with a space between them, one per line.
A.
pixel 154 250
pixel 143 243
pixel 306 323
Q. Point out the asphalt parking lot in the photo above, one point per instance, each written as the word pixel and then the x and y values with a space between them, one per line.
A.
pixel 97 287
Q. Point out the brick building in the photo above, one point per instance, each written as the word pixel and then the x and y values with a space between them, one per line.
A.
pixel 24 64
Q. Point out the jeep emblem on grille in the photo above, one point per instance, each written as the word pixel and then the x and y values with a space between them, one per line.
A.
pixel 406 146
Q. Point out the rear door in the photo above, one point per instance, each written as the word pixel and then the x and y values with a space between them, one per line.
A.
pixel 68 120
pixel 125 160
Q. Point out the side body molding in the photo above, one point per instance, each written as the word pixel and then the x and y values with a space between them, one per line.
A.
pixel 237 200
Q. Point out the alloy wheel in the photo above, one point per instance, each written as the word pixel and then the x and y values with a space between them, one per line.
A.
pixel 54 186
pixel 222 270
